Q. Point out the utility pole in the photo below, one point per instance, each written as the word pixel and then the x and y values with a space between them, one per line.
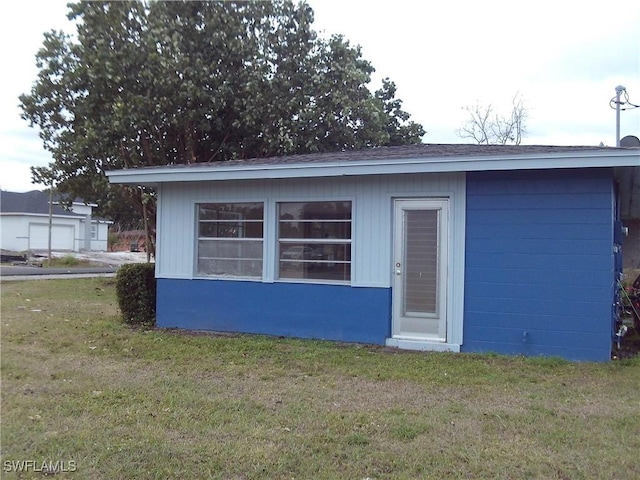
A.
pixel 619 90
pixel 50 222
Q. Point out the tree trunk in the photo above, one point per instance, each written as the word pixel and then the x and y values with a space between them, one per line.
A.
pixel 147 236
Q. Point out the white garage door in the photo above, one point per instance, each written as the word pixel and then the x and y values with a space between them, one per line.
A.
pixel 62 237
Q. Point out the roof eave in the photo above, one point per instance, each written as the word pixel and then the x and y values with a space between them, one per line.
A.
pixel 34 214
pixel 197 173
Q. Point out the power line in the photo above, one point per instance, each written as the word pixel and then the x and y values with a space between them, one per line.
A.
pixel 624 100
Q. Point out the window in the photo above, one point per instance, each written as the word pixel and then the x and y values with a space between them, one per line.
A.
pixel 230 237
pixel 314 240
pixel 94 232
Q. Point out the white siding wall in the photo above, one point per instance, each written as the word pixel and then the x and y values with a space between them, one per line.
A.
pixel 15 233
pixel 372 217
pixel 101 243
pixel 30 232
pixel 68 233
pixel 81 209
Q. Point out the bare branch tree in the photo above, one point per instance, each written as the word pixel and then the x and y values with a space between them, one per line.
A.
pixel 490 128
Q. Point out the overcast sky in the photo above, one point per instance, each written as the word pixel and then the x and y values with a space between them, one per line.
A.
pixel 564 58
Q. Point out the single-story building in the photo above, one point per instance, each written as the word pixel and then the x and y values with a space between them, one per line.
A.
pixel 24 224
pixel 465 248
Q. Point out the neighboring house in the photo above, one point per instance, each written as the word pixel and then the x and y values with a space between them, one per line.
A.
pixel 24 224
pixel 507 249
pixel 129 240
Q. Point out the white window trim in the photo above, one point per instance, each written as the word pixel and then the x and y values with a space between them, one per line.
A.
pixel 273 260
pixel 197 238
pixel 270 238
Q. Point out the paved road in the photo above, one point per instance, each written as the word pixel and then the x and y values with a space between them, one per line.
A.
pixel 19 272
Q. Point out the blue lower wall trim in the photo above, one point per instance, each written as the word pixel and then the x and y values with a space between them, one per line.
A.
pixel 544 340
pixel 572 353
pixel 331 312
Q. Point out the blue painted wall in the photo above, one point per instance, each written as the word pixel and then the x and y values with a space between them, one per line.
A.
pixel 331 312
pixel 539 263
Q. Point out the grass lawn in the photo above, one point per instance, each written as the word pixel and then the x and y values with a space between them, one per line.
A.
pixel 81 389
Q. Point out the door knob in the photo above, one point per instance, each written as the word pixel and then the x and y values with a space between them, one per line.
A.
pixel 398 272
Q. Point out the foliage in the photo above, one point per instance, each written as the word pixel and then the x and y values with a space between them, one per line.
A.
pixel 490 128
pixel 69 260
pixel 66 261
pixel 136 293
pixel 163 83
pixel 79 385
pixel 112 239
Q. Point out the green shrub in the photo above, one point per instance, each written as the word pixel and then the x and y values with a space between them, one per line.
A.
pixel 112 240
pixel 68 261
pixel 136 292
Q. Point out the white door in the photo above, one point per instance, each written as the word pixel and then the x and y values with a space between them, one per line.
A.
pixel 420 269
pixel 62 237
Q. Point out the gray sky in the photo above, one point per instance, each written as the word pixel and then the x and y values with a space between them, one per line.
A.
pixel 564 58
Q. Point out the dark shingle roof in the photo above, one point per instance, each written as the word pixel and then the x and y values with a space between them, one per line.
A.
pixel 390 154
pixel 30 202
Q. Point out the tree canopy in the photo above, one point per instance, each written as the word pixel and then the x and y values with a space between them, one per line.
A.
pixel 160 83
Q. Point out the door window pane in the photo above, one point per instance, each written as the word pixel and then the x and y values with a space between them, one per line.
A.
pixel 421 261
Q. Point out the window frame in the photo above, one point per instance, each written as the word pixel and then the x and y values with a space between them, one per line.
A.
pixel 270 238
pixel 277 241
pixel 241 240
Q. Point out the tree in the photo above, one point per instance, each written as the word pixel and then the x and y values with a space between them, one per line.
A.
pixel 162 83
pixel 489 128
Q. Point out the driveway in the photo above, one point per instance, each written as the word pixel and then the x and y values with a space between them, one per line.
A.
pixel 107 266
